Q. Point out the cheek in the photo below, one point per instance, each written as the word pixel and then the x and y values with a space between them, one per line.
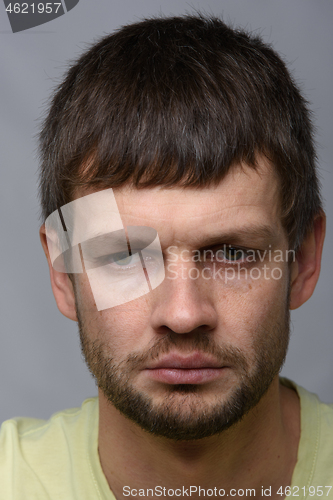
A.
pixel 250 306
pixel 84 297
pixel 125 326
pixel 120 328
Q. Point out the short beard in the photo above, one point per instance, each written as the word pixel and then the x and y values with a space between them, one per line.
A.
pixel 200 420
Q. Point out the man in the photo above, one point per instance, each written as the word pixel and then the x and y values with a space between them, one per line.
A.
pixel 183 221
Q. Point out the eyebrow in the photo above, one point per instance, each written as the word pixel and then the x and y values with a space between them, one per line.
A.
pixel 115 242
pixel 107 242
pixel 252 234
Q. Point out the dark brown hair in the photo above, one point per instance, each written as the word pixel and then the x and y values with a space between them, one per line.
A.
pixel 177 101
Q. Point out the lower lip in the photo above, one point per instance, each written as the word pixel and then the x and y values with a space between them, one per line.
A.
pixel 185 375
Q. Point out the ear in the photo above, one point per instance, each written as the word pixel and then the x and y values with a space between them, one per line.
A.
pixel 62 286
pixel 306 268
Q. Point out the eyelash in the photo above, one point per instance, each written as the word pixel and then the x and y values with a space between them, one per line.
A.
pixel 112 261
pixel 244 253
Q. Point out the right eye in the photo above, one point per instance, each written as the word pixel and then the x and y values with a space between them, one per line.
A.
pixel 117 260
pixel 122 258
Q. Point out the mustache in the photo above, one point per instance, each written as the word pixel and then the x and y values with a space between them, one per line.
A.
pixel 225 354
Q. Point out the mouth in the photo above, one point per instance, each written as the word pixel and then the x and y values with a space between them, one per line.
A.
pixel 197 368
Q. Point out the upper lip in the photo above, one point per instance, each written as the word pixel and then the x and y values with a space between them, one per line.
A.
pixel 195 360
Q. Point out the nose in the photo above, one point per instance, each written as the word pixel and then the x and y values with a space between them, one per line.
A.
pixel 183 305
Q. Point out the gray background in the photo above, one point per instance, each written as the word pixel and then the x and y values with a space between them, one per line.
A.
pixel 41 370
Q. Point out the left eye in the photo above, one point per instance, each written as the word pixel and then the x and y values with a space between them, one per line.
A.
pixel 233 254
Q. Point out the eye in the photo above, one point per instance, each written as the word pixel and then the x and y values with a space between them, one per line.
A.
pixel 122 258
pixel 117 260
pixel 233 254
pixel 230 253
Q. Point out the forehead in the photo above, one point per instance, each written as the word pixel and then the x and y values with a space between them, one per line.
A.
pixel 246 196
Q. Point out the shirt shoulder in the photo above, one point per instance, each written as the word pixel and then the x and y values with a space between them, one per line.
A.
pixel 313 474
pixel 42 459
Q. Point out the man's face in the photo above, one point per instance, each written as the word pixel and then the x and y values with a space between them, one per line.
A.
pixel 190 358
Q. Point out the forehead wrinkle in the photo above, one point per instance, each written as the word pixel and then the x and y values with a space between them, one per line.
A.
pixel 148 207
pixel 171 216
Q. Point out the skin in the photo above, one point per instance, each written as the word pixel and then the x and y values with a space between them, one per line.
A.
pixel 260 449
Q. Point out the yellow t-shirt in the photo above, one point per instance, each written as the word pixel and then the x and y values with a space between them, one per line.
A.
pixel 58 459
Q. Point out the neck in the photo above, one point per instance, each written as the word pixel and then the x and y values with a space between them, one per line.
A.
pixel 259 451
